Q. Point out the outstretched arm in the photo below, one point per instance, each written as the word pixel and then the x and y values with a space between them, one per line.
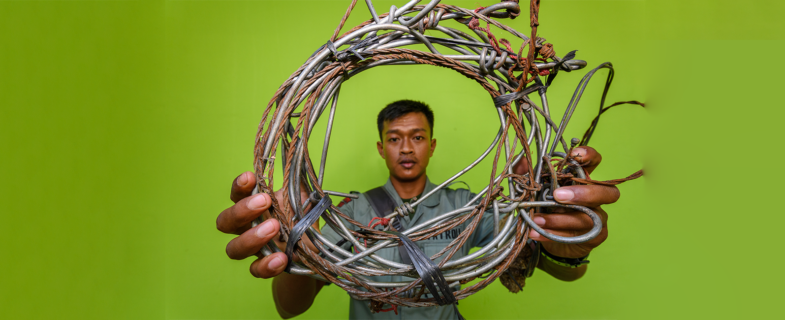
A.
pixel 293 294
pixel 565 222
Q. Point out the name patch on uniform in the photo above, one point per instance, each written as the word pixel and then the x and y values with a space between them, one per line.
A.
pixel 448 235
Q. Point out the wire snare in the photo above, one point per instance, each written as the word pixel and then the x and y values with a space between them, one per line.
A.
pixel 509 78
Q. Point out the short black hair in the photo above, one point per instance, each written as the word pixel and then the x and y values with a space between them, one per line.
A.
pixel 400 108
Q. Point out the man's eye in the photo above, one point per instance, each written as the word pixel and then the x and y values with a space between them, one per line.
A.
pixel 392 139
pixel 419 138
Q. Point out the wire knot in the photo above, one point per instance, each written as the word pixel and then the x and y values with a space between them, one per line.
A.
pixel 382 221
pixel 315 196
pixel 512 13
pixel 546 51
pixel 404 210
pixel 431 21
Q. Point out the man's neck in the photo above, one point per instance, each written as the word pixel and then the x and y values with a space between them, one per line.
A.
pixel 409 189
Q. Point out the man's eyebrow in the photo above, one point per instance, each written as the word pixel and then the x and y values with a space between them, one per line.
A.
pixel 399 131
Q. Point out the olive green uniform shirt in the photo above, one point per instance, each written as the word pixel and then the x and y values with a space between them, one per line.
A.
pixel 442 201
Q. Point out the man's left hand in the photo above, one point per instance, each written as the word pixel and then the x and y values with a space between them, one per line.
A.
pixel 565 222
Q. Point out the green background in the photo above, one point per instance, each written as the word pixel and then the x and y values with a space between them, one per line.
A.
pixel 123 123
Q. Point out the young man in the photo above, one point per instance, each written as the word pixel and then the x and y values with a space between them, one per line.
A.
pixel 406 143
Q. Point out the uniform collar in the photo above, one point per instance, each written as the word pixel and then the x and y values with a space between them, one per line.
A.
pixel 431 201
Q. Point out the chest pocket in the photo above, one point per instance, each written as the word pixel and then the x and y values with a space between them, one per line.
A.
pixel 389 254
pixel 429 247
pixel 433 247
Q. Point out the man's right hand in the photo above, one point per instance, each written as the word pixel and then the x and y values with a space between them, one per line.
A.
pixel 293 294
pixel 237 219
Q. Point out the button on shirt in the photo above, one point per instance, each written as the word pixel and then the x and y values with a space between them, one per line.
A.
pixel 442 201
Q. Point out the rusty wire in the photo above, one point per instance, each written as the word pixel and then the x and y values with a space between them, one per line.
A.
pixel 492 63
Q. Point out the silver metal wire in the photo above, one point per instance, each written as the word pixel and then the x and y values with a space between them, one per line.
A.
pixel 383 40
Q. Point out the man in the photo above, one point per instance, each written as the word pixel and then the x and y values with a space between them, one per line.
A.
pixel 406 143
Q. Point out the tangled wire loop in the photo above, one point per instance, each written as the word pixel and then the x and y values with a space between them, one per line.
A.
pixel 493 64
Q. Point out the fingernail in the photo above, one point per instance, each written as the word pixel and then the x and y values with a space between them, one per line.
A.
pixel 267 228
pixel 540 221
pixel 562 195
pixel 276 263
pixel 257 202
pixel 242 180
pixel 534 234
pixel 578 152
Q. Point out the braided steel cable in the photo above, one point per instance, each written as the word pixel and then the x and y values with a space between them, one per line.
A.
pixel 491 63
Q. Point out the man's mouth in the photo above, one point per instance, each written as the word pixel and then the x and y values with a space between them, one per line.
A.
pixel 408 164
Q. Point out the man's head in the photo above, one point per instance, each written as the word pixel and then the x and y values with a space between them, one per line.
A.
pixel 406 131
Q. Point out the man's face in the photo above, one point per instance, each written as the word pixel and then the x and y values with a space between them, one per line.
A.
pixel 407 146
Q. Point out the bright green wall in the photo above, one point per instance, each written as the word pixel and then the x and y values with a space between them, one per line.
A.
pixel 122 124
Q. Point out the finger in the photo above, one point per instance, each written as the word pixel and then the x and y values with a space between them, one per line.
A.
pixel 534 235
pixel 242 186
pixel 269 266
pixel 587 157
pixel 304 241
pixel 251 241
pixel 589 196
pixel 600 238
pixel 566 221
pixel 237 218
pixel 598 210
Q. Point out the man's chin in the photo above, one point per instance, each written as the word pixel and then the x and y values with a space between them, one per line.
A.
pixel 407 175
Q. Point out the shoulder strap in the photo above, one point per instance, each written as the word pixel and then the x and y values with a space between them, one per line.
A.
pixel 383 204
pixel 381 201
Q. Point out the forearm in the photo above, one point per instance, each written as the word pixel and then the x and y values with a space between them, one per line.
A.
pixel 561 272
pixel 294 294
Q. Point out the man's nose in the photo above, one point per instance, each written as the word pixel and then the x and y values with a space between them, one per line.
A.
pixel 407 147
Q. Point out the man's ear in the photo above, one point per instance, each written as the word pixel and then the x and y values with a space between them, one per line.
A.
pixel 380 148
pixel 433 146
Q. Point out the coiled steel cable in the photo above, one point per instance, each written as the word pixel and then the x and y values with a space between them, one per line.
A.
pixel 379 41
